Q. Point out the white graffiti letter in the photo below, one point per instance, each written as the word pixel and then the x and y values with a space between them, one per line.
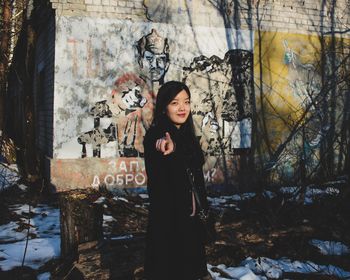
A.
pixel 129 178
pixel 120 180
pixel 109 182
pixel 96 182
pixel 122 166
pixel 141 182
pixel 132 163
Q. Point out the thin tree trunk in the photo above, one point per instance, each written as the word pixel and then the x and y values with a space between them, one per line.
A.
pixel 261 86
pixel 324 122
pixel 332 106
pixel 4 55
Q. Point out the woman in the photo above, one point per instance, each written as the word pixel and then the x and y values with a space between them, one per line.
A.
pixel 174 245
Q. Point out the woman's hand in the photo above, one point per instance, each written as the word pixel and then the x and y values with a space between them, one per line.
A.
pixel 165 145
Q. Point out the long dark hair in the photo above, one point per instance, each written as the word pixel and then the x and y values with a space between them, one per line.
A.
pixel 166 94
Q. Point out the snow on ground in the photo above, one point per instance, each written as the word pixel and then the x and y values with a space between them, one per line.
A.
pixel 330 247
pixel 264 268
pixel 239 273
pixel 39 251
pixel 311 193
pixel 44 276
pixel 44 242
pixel 274 268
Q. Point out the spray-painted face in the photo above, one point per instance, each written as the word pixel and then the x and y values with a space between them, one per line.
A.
pixel 155 65
pixel 153 56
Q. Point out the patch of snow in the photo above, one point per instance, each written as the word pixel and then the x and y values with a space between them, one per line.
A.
pixel 310 193
pixel 116 198
pixel 289 190
pixel 100 200
pixel 216 201
pixel 330 247
pixel 108 218
pixel 8 233
pixel 332 191
pixel 143 195
pixel 39 251
pixel 262 265
pixel 122 237
pixel 22 187
pixel 44 225
pixel 240 273
pixel 269 194
pixel 44 276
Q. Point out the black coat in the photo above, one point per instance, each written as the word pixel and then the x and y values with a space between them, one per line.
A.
pixel 174 244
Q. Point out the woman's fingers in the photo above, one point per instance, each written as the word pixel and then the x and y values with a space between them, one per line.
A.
pixel 158 142
pixel 169 147
pixel 165 145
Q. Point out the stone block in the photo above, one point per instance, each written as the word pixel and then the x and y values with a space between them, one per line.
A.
pixel 122 3
pixel 93 8
pixel 73 6
pixel 114 3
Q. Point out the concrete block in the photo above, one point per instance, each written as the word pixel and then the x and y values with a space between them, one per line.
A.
pixel 93 8
pixel 122 3
pixel 71 6
pixel 130 4
pixel 76 1
pixel 114 3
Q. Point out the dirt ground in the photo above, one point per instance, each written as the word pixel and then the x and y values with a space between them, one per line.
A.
pixel 256 227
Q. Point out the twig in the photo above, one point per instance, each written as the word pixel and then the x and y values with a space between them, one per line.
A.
pixel 27 239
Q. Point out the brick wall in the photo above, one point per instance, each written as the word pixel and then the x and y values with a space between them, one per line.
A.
pixel 121 9
pixel 99 43
pixel 300 16
pixel 44 87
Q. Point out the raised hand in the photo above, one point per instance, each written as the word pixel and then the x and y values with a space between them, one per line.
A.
pixel 165 144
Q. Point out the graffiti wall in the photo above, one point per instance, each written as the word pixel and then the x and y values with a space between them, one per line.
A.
pixel 107 73
pixel 289 88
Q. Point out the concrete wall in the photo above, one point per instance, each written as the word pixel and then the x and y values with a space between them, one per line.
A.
pixel 301 16
pixel 104 89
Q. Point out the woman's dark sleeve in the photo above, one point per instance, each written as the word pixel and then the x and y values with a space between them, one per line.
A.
pixel 159 180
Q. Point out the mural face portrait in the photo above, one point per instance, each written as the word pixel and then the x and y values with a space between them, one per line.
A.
pixel 153 58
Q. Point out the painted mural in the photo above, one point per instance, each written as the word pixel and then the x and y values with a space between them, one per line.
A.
pixel 222 106
pixel 153 56
pixel 107 76
pixel 293 98
pixel 129 110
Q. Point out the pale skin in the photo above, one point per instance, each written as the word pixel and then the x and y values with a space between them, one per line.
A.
pixel 177 111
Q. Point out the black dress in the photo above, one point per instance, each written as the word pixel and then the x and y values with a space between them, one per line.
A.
pixel 174 243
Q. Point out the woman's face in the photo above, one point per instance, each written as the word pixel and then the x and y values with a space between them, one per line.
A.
pixel 179 108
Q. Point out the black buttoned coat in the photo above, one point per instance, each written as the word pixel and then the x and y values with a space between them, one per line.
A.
pixel 174 243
